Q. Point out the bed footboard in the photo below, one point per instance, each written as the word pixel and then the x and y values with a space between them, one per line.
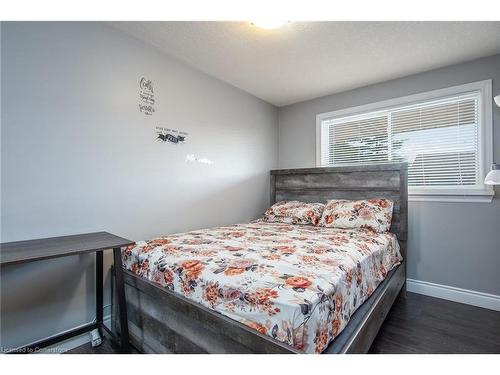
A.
pixel 163 322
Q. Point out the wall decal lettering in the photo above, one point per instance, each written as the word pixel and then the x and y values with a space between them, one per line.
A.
pixel 170 135
pixel 146 96
pixel 193 159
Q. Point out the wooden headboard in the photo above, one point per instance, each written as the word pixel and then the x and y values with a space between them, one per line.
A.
pixel 355 182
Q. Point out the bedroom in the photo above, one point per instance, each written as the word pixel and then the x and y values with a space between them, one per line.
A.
pixel 303 187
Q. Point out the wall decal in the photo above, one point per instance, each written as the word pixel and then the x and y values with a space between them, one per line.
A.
pixel 192 158
pixel 146 96
pixel 170 135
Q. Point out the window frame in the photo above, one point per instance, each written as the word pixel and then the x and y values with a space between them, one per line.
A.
pixel 484 193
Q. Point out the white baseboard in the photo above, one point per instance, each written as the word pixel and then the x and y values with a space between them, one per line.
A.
pixel 469 297
pixel 73 342
pixel 67 345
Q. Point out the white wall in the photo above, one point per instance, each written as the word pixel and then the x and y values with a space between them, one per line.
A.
pixel 78 156
pixel 454 244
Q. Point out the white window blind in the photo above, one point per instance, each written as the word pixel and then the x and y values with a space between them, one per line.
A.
pixel 438 138
pixel 440 142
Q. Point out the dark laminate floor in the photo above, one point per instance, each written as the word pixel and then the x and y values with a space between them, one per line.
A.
pixel 421 324
pixel 418 324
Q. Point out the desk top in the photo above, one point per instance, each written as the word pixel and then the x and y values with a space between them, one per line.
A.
pixel 55 247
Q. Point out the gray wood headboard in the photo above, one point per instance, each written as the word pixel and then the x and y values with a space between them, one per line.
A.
pixel 355 182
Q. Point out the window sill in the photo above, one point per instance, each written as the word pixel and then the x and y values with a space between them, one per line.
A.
pixel 486 198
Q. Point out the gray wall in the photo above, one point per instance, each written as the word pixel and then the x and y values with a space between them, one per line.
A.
pixel 78 156
pixel 455 244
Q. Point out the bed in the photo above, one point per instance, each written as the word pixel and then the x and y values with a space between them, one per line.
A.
pixel 266 287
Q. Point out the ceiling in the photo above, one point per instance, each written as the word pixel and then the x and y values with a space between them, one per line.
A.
pixel 304 60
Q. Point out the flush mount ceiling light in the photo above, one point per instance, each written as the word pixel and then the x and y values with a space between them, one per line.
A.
pixel 269 24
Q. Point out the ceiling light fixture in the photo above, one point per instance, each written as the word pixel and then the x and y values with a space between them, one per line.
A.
pixel 268 24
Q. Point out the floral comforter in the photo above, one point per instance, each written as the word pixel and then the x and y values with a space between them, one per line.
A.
pixel 299 284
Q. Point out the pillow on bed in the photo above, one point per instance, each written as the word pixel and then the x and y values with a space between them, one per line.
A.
pixel 294 212
pixel 375 214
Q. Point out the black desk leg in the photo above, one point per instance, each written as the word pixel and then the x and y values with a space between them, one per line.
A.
pixel 122 306
pixel 99 289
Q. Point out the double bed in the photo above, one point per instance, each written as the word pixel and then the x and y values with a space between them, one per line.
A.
pixel 265 287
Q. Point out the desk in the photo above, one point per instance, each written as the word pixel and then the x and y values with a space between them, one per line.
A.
pixel 48 248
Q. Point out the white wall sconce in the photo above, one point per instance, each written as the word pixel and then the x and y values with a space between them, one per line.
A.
pixel 493 177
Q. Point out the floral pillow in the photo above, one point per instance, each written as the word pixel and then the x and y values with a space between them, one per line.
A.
pixel 294 212
pixel 374 214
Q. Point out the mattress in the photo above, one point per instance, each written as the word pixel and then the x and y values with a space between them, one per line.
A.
pixel 299 284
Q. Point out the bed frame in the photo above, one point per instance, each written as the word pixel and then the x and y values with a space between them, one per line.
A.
pixel 161 321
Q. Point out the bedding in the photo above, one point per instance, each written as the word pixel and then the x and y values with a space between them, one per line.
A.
pixel 374 214
pixel 299 284
pixel 294 212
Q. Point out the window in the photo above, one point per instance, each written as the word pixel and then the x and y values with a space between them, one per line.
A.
pixel 444 135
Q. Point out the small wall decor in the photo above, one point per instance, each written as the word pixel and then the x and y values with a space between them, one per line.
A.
pixel 170 135
pixel 193 159
pixel 146 96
